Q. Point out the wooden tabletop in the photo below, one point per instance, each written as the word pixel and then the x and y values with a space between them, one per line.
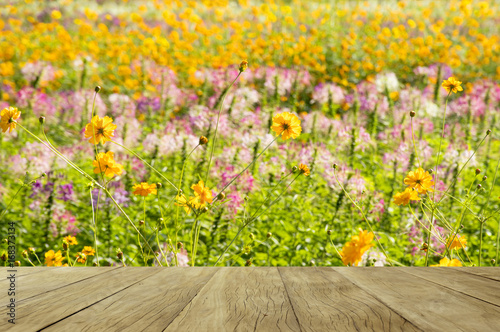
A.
pixel 253 299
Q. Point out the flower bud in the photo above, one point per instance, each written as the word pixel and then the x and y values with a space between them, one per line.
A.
pixel 484 178
pixel 430 170
pixel 141 222
pixel 248 263
pixel 243 66
pixel 95 264
pixel 479 186
pixel 4 256
pixel 25 253
pixel 158 185
pixel 97 89
pixel 119 254
pixel 424 247
pixel 251 236
pixel 269 234
pixel 160 220
pixel 41 120
pixel 44 175
pixel 329 232
pixel 412 114
pixel 31 250
pixel 203 140
pixel 221 196
pixel 65 245
pixel 205 209
pixel 478 171
pixel 334 166
pixel 17 263
pixel 180 245
pixel 493 261
pixel 294 169
pixel 488 132
pixel 246 198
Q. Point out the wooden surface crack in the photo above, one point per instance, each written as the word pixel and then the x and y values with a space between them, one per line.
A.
pixel 289 299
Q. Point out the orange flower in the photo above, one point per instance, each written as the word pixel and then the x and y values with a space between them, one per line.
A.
pixel 8 116
pixel 304 169
pixel 406 196
pixel 452 85
pixel 204 193
pixel 53 259
pixel 100 130
pixel 144 189
pixel 446 262
pixel 456 242
pixel 420 180
pixel 105 163
pixel 287 125
pixel 353 250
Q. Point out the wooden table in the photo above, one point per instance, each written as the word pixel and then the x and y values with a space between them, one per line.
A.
pixel 253 299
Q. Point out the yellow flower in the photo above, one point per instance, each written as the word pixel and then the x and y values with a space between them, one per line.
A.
pixel 100 129
pixel 53 259
pixel 451 84
pixel 9 114
pixel 446 262
pixel 456 242
pixel 144 189
pixel 192 203
pixel 71 240
pixel 353 250
pixel 81 257
pixel 105 163
pixel 243 66
pixel 420 180
pixel 88 250
pixel 204 193
pixel 287 125
pixel 304 169
pixel 406 196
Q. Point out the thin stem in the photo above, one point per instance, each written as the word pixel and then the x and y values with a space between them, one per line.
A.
pixel 413 139
pixel 217 125
pixel 95 227
pixel 334 247
pixel 362 213
pixel 147 164
pixel 237 176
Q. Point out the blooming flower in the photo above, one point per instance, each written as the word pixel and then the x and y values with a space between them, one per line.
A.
pixel 71 240
pixel 204 194
pixel 8 115
pixel 287 125
pixel 53 259
pixel 89 251
pixel 188 204
pixel 446 262
pixel 304 169
pixel 420 180
pixel 406 196
pixel 456 242
pixel 81 257
pixel 353 250
pixel 452 85
pixel 106 164
pixel 144 189
pixel 100 130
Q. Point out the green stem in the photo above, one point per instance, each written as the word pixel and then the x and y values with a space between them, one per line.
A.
pixel 413 139
pixel 147 164
pixel 217 125
pixel 362 213
pixel 237 176
pixel 95 227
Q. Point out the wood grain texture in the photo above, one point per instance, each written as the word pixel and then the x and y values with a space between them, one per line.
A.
pixel 427 305
pixel 53 278
pixel 239 299
pixel 150 305
pixel 486 272
pixel 51 306
pixel 326 301
pixel 465 283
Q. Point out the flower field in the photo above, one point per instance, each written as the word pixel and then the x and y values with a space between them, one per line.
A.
pixel 249 133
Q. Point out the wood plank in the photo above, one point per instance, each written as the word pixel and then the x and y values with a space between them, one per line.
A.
pixel 239 299
pixel 490 272
pixel 428 306
pixel 54 278
pixel 25 270
pixel 150 305
pixel 40 311
pixel 465 283
pixel 324 300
